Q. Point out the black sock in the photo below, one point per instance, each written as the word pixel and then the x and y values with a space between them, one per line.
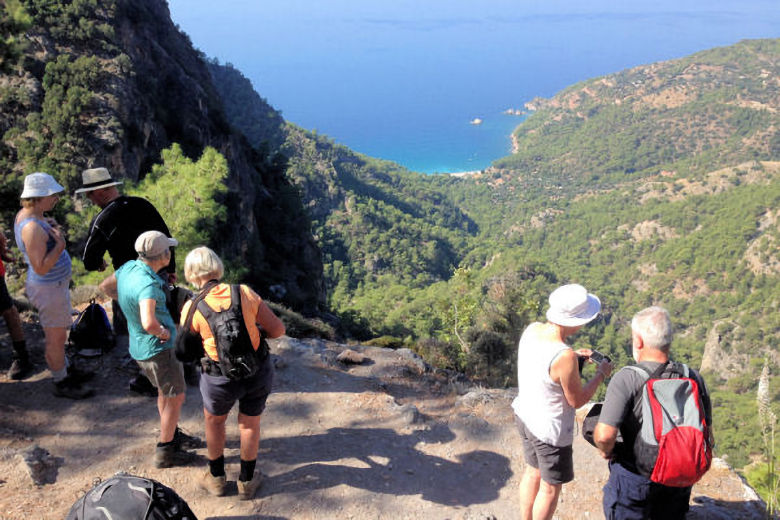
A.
pixel 217 467
pixel 247 470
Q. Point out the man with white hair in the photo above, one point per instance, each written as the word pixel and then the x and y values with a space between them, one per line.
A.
pixel 549 391
pixel 628 494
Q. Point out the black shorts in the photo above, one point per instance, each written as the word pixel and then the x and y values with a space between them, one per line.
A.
pixel 6 302
pixel 555 463
pixel 220 393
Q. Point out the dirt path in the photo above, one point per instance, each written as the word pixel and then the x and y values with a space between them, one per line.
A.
pixel 378 440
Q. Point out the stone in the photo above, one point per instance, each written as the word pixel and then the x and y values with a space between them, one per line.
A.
pixel 40 465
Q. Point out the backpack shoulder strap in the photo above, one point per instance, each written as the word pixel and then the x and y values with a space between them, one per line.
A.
pixel 235 296
pixel 644 372
pixel 196 301
pixel 682 369
pixel 658 372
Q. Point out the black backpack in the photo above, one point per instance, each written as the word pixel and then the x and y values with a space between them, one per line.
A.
pixel 237 357
pixel 126 497
pixel 91 333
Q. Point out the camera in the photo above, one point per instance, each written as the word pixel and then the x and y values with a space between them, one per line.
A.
pixel 597 357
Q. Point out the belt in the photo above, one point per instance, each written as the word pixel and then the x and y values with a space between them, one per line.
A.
pixel 210 367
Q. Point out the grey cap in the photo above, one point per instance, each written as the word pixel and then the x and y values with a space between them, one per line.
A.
pixel 153 243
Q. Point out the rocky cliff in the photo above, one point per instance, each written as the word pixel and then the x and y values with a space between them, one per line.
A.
pixel 112 84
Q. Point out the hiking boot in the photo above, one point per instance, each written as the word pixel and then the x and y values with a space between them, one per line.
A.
pixel 172 455
pixel 20 368
pixel 214 485
pixel 247 490
pixel 79 375
pixel 141 385
pixel 72 389
pixel 185 441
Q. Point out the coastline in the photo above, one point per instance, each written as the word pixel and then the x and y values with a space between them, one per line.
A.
pixel 465 174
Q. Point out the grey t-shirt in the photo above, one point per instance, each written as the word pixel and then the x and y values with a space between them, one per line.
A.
pixel 623 407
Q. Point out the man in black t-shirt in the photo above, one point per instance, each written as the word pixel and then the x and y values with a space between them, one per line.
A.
pixel 118 224
pixel 627 493
pixel 115 230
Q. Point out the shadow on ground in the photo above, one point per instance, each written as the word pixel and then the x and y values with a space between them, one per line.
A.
pixel 383 461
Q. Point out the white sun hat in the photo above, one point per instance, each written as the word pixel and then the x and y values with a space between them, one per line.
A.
pixel 571 305
pixel 40 184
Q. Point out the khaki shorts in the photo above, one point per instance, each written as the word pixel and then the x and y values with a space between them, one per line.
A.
pixel 165 372
pixel 52 300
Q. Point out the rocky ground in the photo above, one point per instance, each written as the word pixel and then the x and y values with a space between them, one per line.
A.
pixel 384 438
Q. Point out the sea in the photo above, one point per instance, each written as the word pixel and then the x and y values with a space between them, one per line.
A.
pixel 438 86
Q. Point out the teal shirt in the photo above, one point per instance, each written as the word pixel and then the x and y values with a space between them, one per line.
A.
pixel 135 282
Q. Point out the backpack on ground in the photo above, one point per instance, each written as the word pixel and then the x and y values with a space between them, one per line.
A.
pixel 237 356
pixel 91 334
pixel 674 445
pixel 127 497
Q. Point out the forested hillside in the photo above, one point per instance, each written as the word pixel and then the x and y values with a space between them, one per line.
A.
pixel 658 184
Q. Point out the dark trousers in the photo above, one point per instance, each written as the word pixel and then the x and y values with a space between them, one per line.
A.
pixel 629 496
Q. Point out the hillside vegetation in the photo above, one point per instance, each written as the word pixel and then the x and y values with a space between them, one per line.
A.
pixel 658 184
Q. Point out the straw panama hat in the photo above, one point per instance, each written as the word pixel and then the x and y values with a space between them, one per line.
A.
pixel 40 184
pixel 571 305
pixel 96 178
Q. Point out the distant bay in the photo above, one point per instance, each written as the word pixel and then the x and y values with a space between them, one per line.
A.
pixel 404 80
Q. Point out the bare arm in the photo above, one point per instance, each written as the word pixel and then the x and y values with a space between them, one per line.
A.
pixel 605 436
pixel 149 320
pixel 108 286
pixel 565 370
pixel 272 325
pixel 35 238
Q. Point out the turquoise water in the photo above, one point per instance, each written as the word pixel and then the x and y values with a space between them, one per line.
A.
pixel 401 80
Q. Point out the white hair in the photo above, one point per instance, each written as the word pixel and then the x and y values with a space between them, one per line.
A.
pixel 201 263
pixel 654 326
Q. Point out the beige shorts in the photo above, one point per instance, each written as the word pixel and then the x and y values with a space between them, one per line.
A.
pixel 165 372
pixel 52 300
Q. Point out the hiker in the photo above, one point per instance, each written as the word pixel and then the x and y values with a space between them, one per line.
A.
pixel 42 243
pixel 114 229
pixel 21 366
pixel 204 269
pixel 549 391
pixel 627 493
pixel 139 290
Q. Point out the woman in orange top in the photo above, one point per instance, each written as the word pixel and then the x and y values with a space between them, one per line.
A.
pixel 201 266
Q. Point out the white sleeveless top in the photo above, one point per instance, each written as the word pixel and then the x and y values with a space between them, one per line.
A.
pixel 541 403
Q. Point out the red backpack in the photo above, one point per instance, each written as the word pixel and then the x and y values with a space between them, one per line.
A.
pixel 674 445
